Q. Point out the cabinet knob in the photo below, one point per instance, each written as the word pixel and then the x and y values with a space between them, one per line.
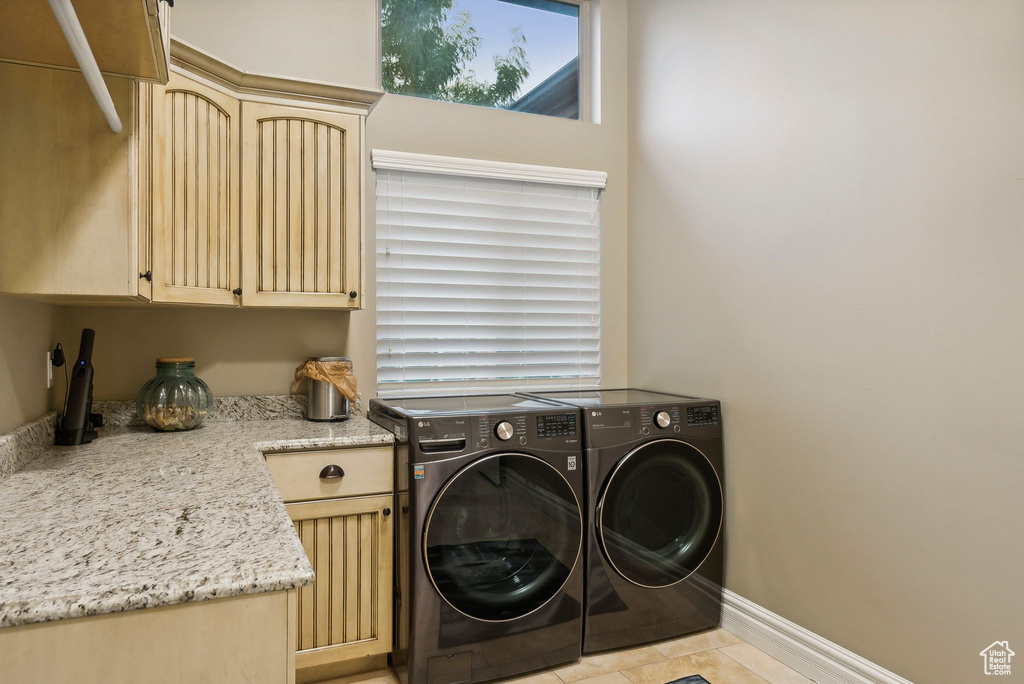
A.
pixel 352 294
pixel 332 472
pixel 387 512
pixel 148 275
pixel 237 292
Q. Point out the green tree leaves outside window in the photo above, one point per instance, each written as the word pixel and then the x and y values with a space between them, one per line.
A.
pixel 426 49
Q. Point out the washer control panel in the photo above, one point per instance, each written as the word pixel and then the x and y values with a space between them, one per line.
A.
pixel 504 431
pixel 445 436
pixel 498 430
pixel 557 425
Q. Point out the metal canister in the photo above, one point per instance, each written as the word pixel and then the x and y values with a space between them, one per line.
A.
pixel 325 401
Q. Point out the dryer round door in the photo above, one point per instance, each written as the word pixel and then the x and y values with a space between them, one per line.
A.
pixel 502 537
pixel 660 513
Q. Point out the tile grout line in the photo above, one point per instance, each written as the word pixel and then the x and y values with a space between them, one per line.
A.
pixel 741 664
pixel 560 676
pixel 786 667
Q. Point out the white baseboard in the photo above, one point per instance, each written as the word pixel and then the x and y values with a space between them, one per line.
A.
pixel 812 656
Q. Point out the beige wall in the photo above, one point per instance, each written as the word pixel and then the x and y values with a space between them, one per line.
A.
pixel 27 331
pixel 247 352
pixel 827 233
pixel 324 40
pixel 237 351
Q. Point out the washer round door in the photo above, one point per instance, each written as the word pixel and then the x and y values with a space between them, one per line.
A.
pixel 502 537
pixel 660 513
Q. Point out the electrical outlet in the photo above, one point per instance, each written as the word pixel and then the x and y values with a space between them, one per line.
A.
pixel 49 369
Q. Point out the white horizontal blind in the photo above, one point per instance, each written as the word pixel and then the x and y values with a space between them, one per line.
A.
pixel 485 283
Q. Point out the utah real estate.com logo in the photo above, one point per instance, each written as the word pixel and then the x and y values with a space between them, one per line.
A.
pixel 997 658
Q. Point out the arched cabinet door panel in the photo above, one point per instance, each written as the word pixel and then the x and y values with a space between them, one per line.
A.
pixel 301 194
pixel 194 193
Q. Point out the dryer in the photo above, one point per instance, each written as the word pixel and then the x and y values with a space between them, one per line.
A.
pixel 489 536
pixel 655 513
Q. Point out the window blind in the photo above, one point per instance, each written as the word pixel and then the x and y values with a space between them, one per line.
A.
pixel 486 278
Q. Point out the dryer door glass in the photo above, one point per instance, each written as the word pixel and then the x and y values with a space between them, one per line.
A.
pixel 503 536
pixel 660 513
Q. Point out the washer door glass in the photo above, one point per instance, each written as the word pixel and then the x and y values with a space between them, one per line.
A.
pixel 502 536
pixel 660 513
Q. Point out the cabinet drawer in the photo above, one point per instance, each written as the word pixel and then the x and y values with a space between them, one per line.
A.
pixel 367 470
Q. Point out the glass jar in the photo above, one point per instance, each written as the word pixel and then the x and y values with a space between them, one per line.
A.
pixel 175 399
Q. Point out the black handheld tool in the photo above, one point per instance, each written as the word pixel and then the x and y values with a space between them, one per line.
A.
pixel 78 424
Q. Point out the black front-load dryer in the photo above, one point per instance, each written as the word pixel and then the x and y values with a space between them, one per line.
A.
pixel 656 504
pixel 489 536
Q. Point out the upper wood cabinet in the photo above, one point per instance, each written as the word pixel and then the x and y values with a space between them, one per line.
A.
pixel 256 188
pixel 301 196
pixel 127 37
pixel 224 188
pixel 194 193
pixel 68 189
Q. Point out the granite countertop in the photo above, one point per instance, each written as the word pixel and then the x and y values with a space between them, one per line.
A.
pixel 138 519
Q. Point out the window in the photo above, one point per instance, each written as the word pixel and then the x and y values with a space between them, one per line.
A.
pixel 522 55
pixel 488 275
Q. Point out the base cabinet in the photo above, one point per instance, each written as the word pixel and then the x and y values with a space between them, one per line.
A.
pixel 345 614
pixel 342 505
pixel 242 640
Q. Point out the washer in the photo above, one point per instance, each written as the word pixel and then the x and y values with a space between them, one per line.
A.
pixel 656 506
pixel 489 537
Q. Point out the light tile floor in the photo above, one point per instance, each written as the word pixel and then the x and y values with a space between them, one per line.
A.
pixel 716 655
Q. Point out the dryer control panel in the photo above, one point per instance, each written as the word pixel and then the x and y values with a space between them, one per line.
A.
pixel 608 426
pixel 702 415
pixel 557 425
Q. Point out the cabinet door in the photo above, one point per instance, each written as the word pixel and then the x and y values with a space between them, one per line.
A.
pixel 300 207
pixel 346 612
pixel 195 193
pixel 67 215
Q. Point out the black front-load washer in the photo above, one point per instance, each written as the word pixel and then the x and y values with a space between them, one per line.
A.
pixel 656 505
pixel 489 536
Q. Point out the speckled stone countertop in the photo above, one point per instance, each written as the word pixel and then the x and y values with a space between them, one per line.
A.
pixel 139 519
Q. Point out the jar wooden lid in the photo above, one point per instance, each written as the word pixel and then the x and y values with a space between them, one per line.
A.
pixel 176 359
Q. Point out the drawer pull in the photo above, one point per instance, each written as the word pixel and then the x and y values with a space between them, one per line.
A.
pixel 387 512
pixel 332 472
